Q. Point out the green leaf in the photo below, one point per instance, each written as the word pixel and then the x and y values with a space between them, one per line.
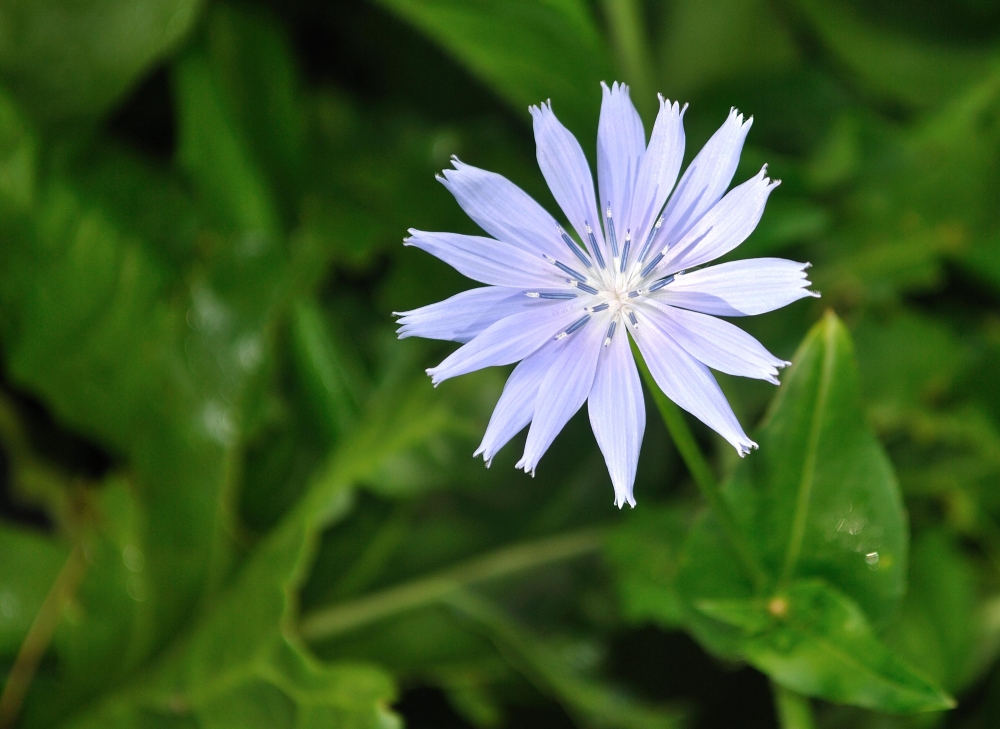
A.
pixel 66 58
pixel 819 499
pixel 258 81
pixel 329 372
pixel 242 667
pixel 212 150
pixel 814 640
pixel 527 51
pixel 98 321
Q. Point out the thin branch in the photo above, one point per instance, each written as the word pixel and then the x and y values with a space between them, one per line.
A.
pixel 794 710
pixel 39 636
pixel 331 621
pixel 702 474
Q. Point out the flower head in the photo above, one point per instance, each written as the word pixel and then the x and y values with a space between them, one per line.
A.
pixel 564 308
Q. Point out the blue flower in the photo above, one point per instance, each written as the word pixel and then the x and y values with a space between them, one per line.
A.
pixel 565 311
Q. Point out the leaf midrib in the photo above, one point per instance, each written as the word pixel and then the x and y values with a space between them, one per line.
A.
pixel 804 496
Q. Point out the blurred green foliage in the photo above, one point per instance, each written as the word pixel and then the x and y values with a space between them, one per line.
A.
pixel 232 498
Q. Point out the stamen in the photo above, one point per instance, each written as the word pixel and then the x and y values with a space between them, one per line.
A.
pixel 575 248
pixel 573 327
pixel 600 307
pixel 582 286
pixel 611 233
pixel 628 243
pixel 657 285
pixel 631 318
pixel 611 332
pixel 564 268
pixel 634 294
pixel 653 263
pixel 557 297
pixel 593 245
pixel 649 240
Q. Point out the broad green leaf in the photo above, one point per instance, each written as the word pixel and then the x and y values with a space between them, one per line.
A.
pixel 97 320
pixel 526 50
pixel 819 499
pixel 645 553
pixel 815 640
pixel 329 372
pixel 241 667
pixel 66 58
pixel 29 563
pixel 259 84
pixel 894 65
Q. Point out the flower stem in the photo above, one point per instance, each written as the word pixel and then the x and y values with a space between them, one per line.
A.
pixel 340 618
pixel 794 710
pixel 36 642
pixel 701 473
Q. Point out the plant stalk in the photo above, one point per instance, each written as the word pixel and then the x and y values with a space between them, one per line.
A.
pixel 793 709
pixel 39 636
pixel 331 621
pixel 702 474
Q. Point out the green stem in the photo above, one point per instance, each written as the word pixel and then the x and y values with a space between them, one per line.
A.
pixel 702 474
pixel 631 49
pixel 39 636
pixel 794 710
pixel 328 622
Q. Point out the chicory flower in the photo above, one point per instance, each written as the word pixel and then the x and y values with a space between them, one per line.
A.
pixel 565 308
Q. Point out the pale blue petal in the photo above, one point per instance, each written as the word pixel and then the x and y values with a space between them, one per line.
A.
pixel 509 340
pixel 566 171
pixel 740 288
pixel 503 209
pixel 565 388
pixel 716 343
pixel 489 261
pixel 658 172
pixel 621 143
pixel 689 383
pixel 707 177
pixel 517 402
pixel 618 415
pixel 725 226
pixel 464 315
